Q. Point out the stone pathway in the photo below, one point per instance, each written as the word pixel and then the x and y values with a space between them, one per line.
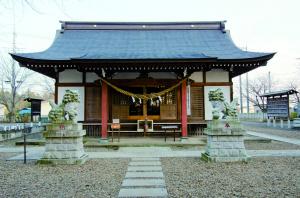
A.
pixel 144 178
pixel 275 137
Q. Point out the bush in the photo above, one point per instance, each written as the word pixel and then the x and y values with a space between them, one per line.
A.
pixel 293 115
pixel 25 117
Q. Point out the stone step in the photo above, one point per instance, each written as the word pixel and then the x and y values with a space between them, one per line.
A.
pixel 144 175
pixel 147 163
pixel 145 159
pixel 143 183
pixel 144 168
pixel 143 192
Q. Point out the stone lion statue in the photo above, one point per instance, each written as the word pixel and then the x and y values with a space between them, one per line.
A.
pixel 67 110
pixel 230 109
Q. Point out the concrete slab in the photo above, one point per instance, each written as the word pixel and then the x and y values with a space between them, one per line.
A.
pixel 32 155
pixel 144 175
pixel 275 137
pixel 143 192
pixel 273 153
pixel 150 149
pixel 145 159
pixel 146 163
pixel 144 168
pixel 146 154
pixel 143 183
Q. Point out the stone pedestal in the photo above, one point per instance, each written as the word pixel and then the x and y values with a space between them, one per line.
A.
pixel 64 144
pixel 225 142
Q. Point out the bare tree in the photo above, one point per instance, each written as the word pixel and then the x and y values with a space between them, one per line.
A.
pixel 12 76
pixel 48 85
pixel 296 96
pixel 257 88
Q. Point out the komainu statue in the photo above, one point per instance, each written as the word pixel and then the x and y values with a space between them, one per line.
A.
pixel 67 110
pixel 230 110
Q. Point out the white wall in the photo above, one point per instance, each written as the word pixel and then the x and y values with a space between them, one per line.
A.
pixel 207 103
pixel 70 76
pixel 2 110
pixel 91 77
pixel 197 76
pixel 80 90
pixel 45 108
pixel 217 76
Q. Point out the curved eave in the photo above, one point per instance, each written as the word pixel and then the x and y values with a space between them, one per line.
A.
pixel 200 60
pixel 259 58
pixel 235 66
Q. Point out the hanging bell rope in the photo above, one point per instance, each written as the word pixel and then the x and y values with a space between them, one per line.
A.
pixel 144 96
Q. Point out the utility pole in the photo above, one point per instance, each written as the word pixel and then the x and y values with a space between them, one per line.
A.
pixel 247 86
pixel 269 81
pixel 241 94
pixel 247 90
pixel 13 73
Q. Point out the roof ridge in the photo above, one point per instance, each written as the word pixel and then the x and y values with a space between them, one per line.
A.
pixel 89 25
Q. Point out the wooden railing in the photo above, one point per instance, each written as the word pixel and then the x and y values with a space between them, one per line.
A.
pixel 94 129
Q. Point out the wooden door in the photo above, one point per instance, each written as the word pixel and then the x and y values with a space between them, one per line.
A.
pixel 92 104
pixel 120 105
pixel 197 103
pixel 168 106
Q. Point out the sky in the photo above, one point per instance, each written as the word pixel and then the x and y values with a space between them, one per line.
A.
pixel 255 25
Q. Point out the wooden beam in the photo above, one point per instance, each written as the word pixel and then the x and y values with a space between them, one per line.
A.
pixel 104 113
pixel 183 110
pixel 200 84
pixel 231 86
pixel 56 94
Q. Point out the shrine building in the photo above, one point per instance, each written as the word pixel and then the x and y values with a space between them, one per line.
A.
pixel 159 71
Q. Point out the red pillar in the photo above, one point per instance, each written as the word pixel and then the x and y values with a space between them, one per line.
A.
pixel 183 110
pixel 104 112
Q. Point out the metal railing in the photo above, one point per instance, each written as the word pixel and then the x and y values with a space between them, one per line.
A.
pixel 253 116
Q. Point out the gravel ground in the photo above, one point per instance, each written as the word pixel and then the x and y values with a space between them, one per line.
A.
pixel 274 145
pixel 261 177
pixel 96 178
pixel 272 131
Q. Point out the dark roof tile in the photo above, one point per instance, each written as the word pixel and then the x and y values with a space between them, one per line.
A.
pixel 82 41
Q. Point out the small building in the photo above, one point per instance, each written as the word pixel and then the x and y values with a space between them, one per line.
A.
pixel 278 104
pixel 35 113
pixel 133 71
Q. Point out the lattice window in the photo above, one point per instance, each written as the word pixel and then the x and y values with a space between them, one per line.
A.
pixel 119 98
pixel 169 98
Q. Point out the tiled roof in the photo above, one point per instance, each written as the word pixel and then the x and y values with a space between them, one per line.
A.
pixel 129 41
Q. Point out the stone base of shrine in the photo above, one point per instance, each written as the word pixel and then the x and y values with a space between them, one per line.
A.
pixel 64 144
pixel 225 145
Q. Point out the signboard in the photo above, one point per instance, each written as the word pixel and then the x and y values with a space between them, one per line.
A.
pixel 278 107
